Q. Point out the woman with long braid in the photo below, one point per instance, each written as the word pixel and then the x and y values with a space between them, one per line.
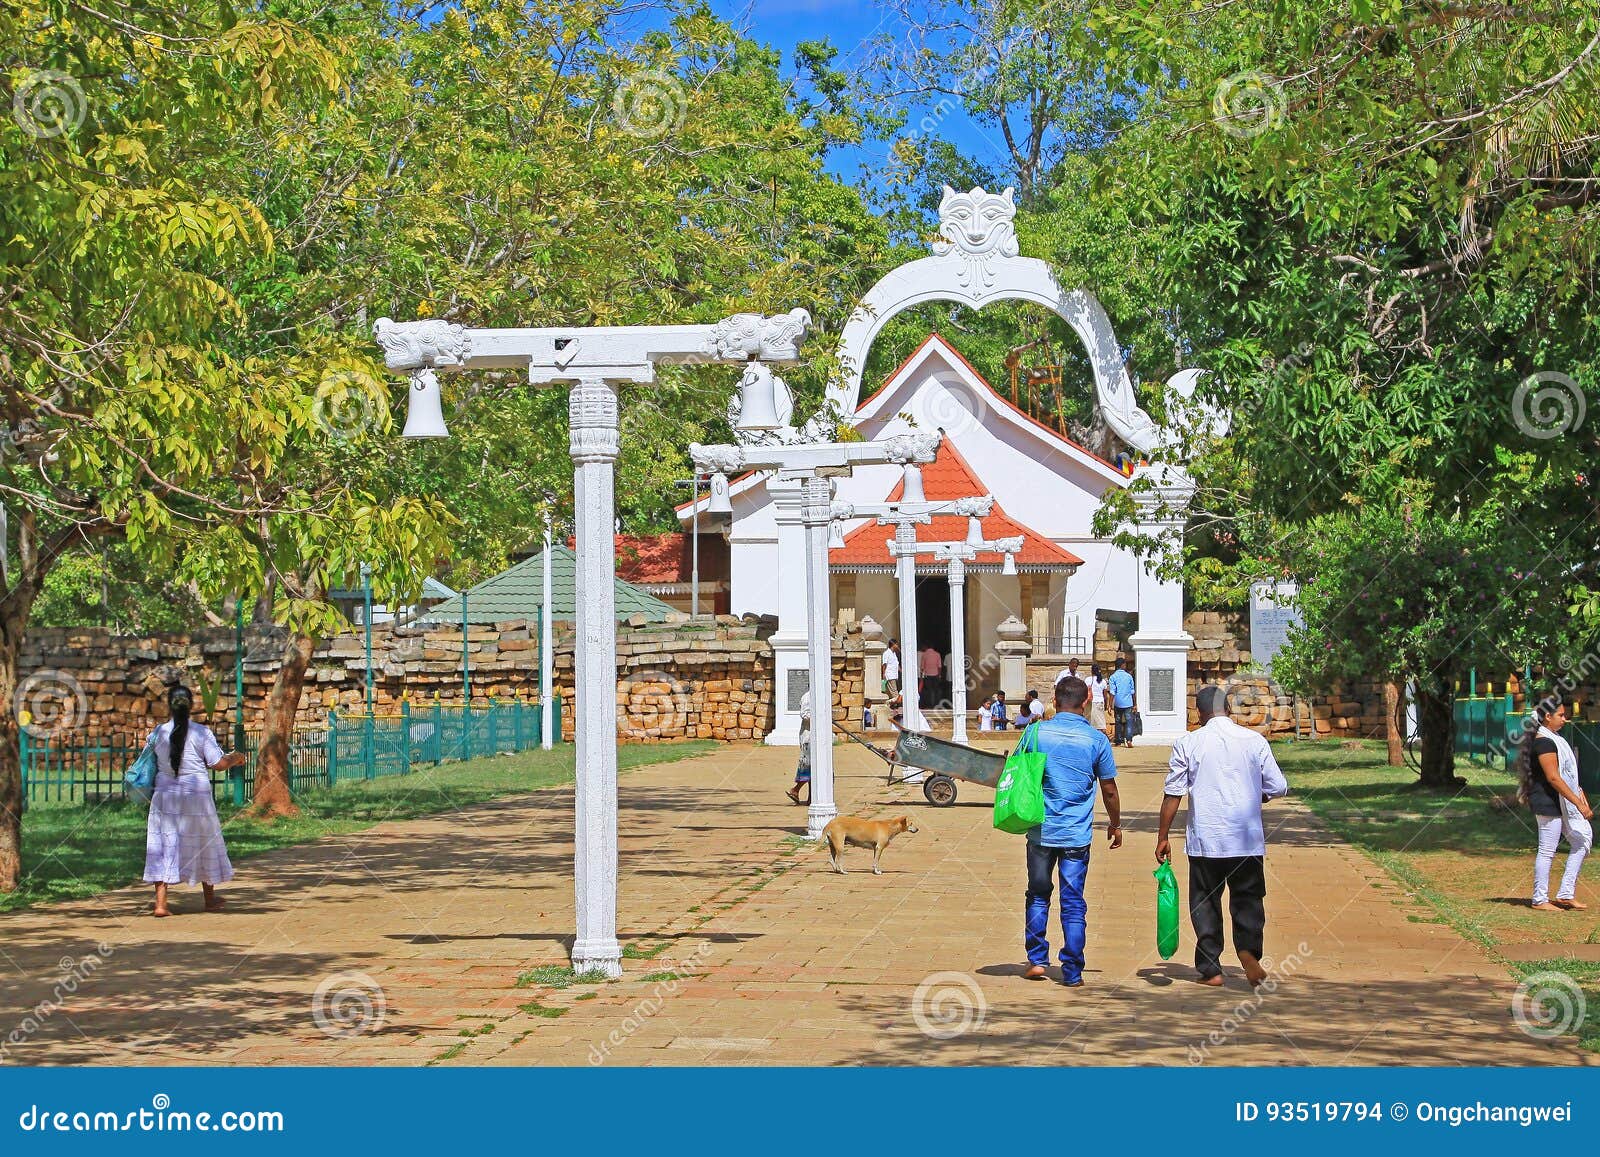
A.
pixel 183 844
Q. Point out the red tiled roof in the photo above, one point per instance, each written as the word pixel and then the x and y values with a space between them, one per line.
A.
pixel 946 478
pixel 659 559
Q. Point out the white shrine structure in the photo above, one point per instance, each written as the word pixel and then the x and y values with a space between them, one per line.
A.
pixel 1046 490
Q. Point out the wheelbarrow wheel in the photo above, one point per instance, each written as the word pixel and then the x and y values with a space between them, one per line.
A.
pixel 940 790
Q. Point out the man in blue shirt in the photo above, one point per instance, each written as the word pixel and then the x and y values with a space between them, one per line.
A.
pixel 1077 760
pixel 1123 702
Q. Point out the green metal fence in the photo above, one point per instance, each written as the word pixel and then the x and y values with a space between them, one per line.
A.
pixel 1488 728
pixel 87 769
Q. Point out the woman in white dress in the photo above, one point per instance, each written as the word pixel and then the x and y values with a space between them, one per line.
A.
pixel 1097 698
pixel 183 843
pixel 1550 787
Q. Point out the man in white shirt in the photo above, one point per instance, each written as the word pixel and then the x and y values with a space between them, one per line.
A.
pixel 1228 772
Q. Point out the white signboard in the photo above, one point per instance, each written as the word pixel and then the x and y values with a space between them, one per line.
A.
pixel 1271 616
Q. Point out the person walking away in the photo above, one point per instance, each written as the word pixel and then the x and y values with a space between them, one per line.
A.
pixel 1548 784
pixel 1227 772
pixel 802 771
pixel 891 669
pixel 183 838
pixel 1097 698
pixel 1123 702
pixel 999 711
pixel 931 666
pixel 1078 760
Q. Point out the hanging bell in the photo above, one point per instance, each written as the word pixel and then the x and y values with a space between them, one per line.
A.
pixel 758 399
pixel 424 413
pixel 1009 566
pixel 719 502
pixel 912 490
pixel 974 531
pixel 836 535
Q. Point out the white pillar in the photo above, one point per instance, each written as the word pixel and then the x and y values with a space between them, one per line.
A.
pixel 816 514
pixel 905 570
pixel 957 575
pixel 547 657
pixel 593 442
pixel 788 642
pixel 1161 645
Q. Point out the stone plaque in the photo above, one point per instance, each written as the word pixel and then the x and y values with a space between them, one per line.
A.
pixel 1271 616
pixel 1161 699
pixel 799 684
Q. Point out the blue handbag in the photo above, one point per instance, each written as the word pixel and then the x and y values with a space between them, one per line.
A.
pixel 139 780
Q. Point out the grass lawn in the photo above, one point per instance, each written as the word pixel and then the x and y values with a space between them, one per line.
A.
pixel 70 851
pixel 1466 853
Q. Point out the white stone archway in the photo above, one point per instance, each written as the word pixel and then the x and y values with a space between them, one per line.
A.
pixel 976 262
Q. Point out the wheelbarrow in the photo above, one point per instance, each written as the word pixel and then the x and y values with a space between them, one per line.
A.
pixel 944 761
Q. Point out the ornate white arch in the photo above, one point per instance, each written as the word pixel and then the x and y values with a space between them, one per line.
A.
pixel 975 262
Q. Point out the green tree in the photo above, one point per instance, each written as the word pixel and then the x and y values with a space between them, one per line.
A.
pixel 1382 232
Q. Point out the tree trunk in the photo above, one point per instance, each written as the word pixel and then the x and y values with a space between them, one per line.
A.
pixel 271 797
pixel 13 621
pixel 1437 730
pixel 1394 698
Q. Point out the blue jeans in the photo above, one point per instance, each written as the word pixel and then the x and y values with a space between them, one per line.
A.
pixel 1072 865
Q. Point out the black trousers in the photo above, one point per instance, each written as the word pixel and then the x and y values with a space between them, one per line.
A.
pixel 1245 878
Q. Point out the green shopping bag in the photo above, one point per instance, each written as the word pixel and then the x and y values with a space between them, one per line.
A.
pixel 1166 910
pixel 1019 796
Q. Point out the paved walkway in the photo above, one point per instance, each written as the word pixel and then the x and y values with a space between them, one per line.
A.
pixel 416 933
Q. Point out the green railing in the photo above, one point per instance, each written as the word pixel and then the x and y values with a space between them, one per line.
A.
pixel 369 746
pixel 88 769
pixel 1488 728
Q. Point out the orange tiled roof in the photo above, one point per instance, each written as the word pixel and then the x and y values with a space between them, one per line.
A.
pixel 946 478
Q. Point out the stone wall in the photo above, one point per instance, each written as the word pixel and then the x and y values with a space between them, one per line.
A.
pixel 710 678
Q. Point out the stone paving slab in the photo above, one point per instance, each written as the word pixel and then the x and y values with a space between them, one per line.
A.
pixel 403 945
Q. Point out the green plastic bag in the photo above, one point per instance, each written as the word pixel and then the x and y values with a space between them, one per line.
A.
pixel 1166 910
pixel 1019 796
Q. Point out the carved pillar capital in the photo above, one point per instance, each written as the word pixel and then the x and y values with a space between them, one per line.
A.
pixel 592 415
pixel 818 508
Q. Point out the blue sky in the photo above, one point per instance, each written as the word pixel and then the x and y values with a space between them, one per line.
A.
pixel 850 26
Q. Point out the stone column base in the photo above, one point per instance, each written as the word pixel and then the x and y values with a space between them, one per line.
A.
pixel 788 655
pixel 1161 673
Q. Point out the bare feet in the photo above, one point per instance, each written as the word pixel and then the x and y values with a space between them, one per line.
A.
pixel 1034 972
pixel 1211 981
pixel 1571 905
pixel 1253 972
pixel 160 912
pixel 215 904
pixel 1547 907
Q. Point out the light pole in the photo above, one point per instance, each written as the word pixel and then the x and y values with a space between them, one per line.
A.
pixel 814 465
pixel 366 617
pixel 546 657
pixel 595 361
pixel 694 557
pixel 238 673
pixel 956 556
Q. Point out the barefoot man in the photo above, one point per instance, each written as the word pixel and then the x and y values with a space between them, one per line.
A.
pixel 1228 772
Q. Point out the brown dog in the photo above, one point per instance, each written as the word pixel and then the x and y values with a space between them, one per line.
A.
pixel 849 831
